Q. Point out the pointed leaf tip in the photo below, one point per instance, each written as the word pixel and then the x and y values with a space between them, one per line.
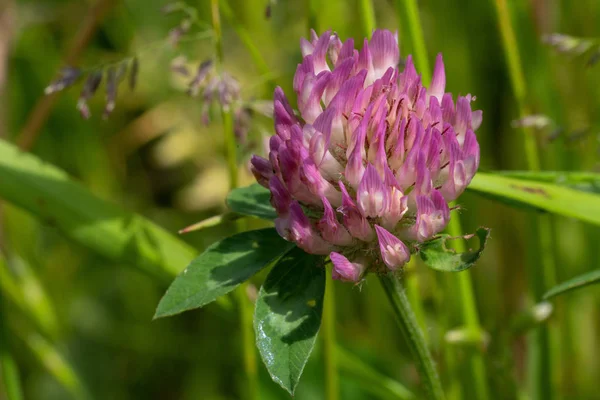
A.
pixel 221 268
pixel 288 315
pixel 578 282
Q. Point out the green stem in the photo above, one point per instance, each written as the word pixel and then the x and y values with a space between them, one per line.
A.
pixel 408 12
pixel 367 15
pixel 246 38
pixel 469 316
pixel 329 352
pixel 543 273
pixel 245 318
pixel 517 80
pixel 245 307
pixel 313 16
pixel 413 294
pixel 413 334
pixel 8 366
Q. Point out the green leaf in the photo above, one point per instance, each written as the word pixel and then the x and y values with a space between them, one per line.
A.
pixel 578 282
pixel 49 194
pixel 549 197
pixel 438 256
pixel 220 269
pixel 252 200
pixel 288 315
pixel 584 181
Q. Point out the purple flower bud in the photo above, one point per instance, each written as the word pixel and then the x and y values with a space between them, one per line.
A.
pixel 261 169
pixel 372 141
pixel 344 270
pixel 393 251
pixel 438 80
pixel 302 233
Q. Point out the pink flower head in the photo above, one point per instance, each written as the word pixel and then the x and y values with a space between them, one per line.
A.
pixel 367 166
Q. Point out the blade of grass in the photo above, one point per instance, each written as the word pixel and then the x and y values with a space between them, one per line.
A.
pixel 548 197
pixel 246 38
pixel 543 273
pixel 371 379
pixel 367 17
pixel 10 371
pixel 583 180
pixel 245 306
pixel 408 14
pixel 56 364
pixel 578 282
pixel 48 193
pixel 27 293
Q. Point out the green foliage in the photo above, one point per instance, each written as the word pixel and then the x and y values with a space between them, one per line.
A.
pixel 544 196
pixel 576 283
pixel 50 195
pixel 585 181
pixel 220 269
pixel 152 157
pixel 437 255
pixel 288 315
pixel 253 200
pixel 371 379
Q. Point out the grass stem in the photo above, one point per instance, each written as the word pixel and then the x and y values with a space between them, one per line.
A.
pixel 543 273
pixel 367 14
pixel 408 13
pixel 245 307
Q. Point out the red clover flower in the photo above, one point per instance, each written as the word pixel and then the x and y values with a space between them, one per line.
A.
pixel 366 170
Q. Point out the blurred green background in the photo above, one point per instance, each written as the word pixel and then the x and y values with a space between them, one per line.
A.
pixel 94 335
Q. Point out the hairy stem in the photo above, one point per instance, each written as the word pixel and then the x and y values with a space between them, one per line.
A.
pixel 409 14
pixel 413 335
pixel 329 347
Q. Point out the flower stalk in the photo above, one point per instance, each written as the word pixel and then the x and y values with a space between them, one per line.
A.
pixel 413 335
pixel 329 346
pixel 409 13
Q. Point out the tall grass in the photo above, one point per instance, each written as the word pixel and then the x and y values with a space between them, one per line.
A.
pixel 173 173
